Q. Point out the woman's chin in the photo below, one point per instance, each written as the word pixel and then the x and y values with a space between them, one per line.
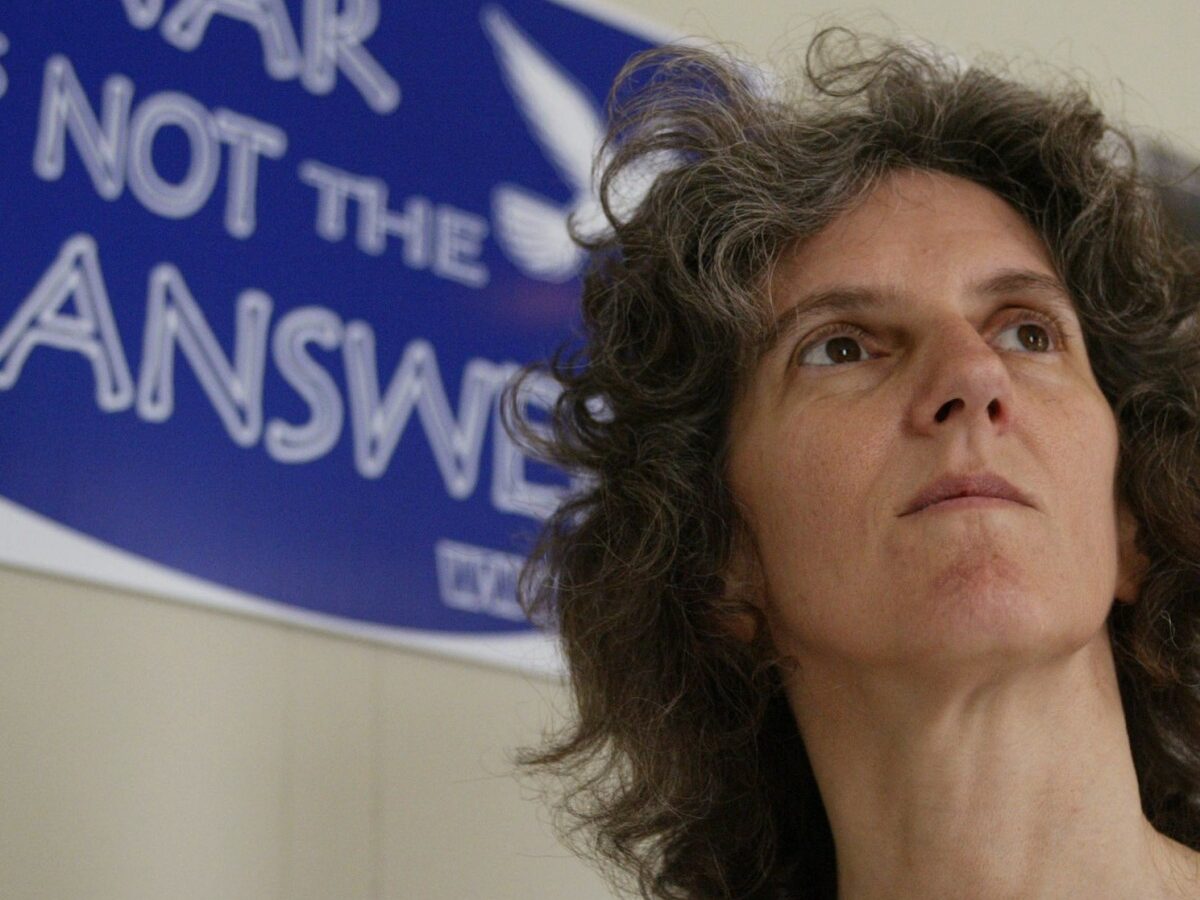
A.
pixel 965 624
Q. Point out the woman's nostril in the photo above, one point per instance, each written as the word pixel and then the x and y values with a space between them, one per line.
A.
pixel 946 409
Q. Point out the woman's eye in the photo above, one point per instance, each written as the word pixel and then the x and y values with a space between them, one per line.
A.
pixel 842 344
pixel 831 351
pixel 1031 334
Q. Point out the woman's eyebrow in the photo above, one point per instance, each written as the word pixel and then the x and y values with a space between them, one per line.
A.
pixel 1024 281
pixel 852 298
pixel 835 299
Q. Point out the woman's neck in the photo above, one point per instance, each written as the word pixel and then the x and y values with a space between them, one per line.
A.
pixel 1017 784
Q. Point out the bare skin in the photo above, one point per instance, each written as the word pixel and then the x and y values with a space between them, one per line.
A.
pixel 951 670
pixel 1019 787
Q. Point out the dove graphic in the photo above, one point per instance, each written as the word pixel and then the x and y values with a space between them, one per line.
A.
pixel 567 124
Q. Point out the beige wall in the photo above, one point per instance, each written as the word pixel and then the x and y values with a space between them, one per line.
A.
pixel 153 750
pixel 1141 57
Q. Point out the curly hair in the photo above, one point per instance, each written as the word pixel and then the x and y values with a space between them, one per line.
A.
pixel 683 769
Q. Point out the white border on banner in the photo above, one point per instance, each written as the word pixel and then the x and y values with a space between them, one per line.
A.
pixel 29 540
pixel 635 23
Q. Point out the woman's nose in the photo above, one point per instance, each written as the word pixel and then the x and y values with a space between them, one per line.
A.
pixel 963 384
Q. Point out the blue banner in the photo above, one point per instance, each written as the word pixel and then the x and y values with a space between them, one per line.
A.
pixel 266 267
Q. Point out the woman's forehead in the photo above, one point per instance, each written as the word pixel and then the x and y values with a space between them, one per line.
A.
pixel 913 226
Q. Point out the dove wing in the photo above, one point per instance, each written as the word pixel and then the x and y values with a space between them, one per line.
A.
pixel 534 234
pixel 563 118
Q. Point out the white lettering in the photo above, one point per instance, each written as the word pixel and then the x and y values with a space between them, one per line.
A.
pixel 479 580
pixel 65 108
pixel 303 443
pixel 446 240
pixel 92 332
pixel 3 72
pixel 235 390
pixel 459 242
pixel 185 25
pixel 124 148
pixel 333 41
pixel 247 139
pixel 377 424
pixel 334 33
pixel 375 221
pixel 511 489
pixel 174 201
pixel 333 187
pixel 143 14
pixel 233 383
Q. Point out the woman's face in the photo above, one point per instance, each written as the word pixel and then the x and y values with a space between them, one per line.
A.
pixel 925 334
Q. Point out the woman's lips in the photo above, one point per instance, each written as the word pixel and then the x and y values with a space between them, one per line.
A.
pixel 963 491
pixel 968 502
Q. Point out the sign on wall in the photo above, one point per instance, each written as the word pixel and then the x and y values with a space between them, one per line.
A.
pixel 266 267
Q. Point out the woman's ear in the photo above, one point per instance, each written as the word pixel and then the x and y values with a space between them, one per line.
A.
pixel 1131 562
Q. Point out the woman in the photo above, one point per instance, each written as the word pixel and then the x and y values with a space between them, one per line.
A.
pixel 886 579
